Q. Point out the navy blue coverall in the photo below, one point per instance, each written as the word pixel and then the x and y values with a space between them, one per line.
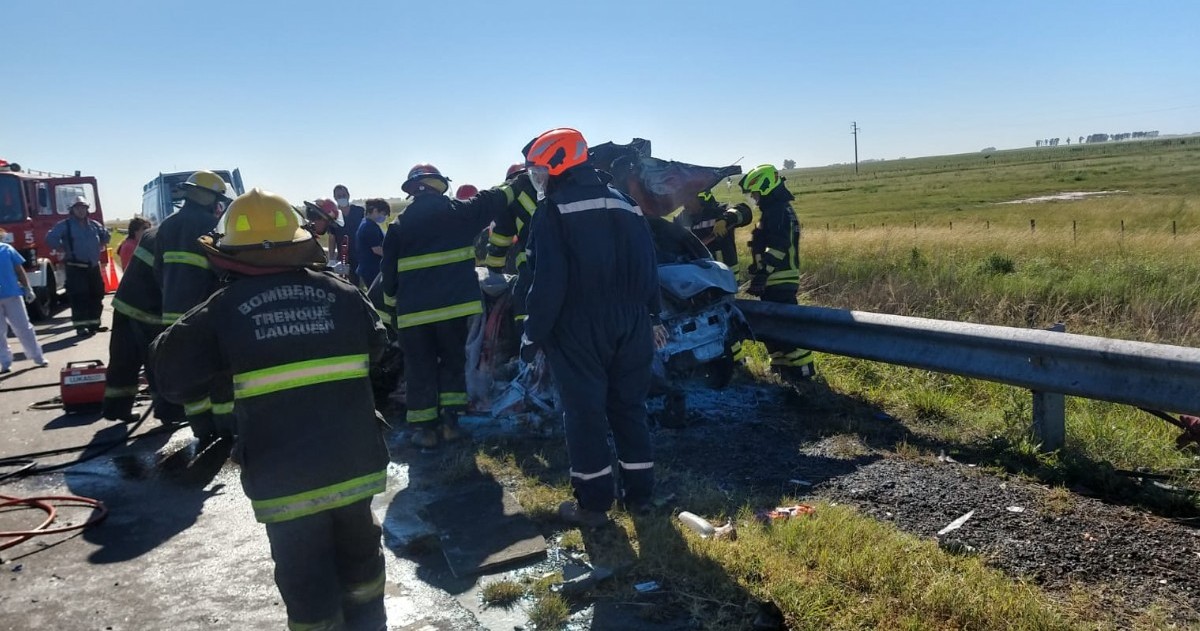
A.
pixel 592 300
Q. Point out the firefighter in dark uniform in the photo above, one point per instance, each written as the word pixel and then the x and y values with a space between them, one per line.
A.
pixel 714 223
pixel 137 320
pixel 298 341
pixel 82 241
pixel 428 277
pixel 593 308
pixel 186 279
pixel 512 226
pixel 775 248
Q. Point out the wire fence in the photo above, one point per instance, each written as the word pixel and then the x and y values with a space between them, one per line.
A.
pixel 1076 227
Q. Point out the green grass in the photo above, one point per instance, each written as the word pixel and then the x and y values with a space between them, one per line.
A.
pixel 836 570
pixel 929 237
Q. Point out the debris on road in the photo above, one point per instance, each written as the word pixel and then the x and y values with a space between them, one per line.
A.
pixel 956 524
pixel 785 512
pixel 1015 509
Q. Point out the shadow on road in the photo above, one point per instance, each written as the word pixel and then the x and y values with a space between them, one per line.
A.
pixel 148 505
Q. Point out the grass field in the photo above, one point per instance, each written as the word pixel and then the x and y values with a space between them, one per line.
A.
pixel 932 237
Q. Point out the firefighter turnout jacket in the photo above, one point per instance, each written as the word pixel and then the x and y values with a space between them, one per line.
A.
pixel 722 248
pixel 512 226
pixel 428 267
pixel 775 242
pixel 589 233
pixel 299 345
pixel 185 278
pixel 138 296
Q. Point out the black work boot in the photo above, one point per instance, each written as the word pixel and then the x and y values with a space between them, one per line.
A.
pixel 450 430
pixel 574 514
pixel 424 436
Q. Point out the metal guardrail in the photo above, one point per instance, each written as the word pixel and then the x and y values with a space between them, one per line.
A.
pixel 1141 374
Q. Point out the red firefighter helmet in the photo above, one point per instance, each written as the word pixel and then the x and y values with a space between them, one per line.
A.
pixel 465 192
pixel 425 178
pixel 325 209
pixel 513 170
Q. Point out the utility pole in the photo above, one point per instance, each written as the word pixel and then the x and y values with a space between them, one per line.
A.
pixel 854 131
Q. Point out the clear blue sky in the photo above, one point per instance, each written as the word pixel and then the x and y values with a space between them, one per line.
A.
pixel 302 95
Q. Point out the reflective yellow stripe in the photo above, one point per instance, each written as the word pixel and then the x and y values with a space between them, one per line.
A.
pixel 521 317
pixel 421 416
pixel 493 261
pixel 788 276
pixel 119 392
pixel 197 407
pixel 223 407
pixel 361 593
pixel 508 193
pixel 298 375
pixel 124 308
pixel 385 316
pixel 452 398
pixel 500 240
pixel 318 500
pixel 144 255
pixel 337 623
pixel 527 203
pixel 779 254
pixel 185 258
pixel 435 259
pixel 522 258
pixel 389 301
pixel 170 318
pixel 437 315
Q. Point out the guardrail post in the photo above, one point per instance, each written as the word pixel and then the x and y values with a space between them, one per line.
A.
pixel 1050 412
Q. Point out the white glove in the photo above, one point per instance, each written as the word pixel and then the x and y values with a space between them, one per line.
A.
pixel 29 295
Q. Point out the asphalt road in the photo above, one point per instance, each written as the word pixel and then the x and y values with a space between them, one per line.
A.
pixel 178 550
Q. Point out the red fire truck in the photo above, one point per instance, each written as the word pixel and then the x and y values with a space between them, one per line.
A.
pixel 31 202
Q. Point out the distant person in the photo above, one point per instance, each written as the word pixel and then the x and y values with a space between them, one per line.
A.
pixel 326 220
pixel 353 215
pixel 15 291
pixel 137 227
pixel 775 248
pixel 714 224
pixel 368 242
pixel 81 240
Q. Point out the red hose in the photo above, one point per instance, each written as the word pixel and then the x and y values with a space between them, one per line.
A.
pixel 42 503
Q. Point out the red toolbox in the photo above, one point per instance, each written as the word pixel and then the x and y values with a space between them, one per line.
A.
pixel 81 386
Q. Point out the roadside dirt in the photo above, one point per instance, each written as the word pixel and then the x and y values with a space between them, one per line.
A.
pixel 775 443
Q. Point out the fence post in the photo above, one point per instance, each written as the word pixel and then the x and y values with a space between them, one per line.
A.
pixel 1074 235
pixel 951 225
pixel 1173 229
pixel 987 225
pixel 1122 227
pixel 1050 412
pixel 1032 225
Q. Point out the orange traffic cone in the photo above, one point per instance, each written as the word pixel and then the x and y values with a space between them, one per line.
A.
pixel 111 279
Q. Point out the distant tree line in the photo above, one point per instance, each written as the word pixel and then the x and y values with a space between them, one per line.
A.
pixel 1135 135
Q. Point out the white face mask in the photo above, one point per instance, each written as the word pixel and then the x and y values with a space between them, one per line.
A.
pixel 343 202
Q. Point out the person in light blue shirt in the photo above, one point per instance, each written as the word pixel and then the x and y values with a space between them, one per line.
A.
pixel 81 240
pixel 15 291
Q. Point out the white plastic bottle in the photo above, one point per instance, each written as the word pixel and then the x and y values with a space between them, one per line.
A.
pixel 698 524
